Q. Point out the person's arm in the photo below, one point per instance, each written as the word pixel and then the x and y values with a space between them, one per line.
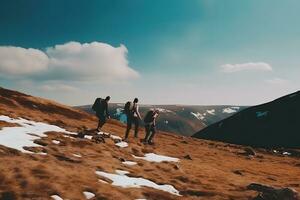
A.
pixel 106 109
pixel 138 113
pixel 154 119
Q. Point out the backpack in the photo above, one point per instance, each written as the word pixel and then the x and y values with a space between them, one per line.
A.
pixel 149 117
pixel 128 108
pixel 97 106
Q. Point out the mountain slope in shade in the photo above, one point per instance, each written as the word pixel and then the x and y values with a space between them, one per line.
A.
pixel 274 124
pixel 63 166
pixel 179 119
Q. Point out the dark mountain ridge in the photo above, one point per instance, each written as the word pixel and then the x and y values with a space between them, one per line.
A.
pixel 273 124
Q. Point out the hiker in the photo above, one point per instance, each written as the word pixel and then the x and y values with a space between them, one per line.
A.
pixel 150 126
pixel 101 108
pixel 133 116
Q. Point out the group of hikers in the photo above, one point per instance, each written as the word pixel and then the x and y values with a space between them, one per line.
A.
pixel 131 109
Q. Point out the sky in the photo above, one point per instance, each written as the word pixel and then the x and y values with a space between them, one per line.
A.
pixel 199 52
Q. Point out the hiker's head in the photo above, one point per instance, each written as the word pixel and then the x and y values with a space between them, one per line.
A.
pixel 135 100
pixel 107 98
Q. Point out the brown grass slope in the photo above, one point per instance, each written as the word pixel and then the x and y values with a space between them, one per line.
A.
pixel 215 171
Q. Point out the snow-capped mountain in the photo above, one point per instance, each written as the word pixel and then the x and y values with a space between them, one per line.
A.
pixel 179 119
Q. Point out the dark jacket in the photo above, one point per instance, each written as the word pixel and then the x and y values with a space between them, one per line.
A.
pixel 103 109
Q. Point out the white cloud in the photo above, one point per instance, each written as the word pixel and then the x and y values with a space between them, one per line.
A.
pixel 57 87
pixel 69 61
pixel 17 61
pixel 251 66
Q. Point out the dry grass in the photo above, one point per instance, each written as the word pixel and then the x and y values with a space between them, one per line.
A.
pixel 215 171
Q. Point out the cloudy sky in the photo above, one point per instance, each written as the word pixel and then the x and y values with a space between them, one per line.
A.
pixel 164 52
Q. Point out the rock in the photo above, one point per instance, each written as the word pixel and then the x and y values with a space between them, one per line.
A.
pixel 238 172
pixel 248 151
pixel 270 193
pixel 98 139
pixel 188 157
pixel 81 134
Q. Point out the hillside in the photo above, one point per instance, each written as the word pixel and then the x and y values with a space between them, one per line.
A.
pixel 180 119
pixel 43 161
pixel 273 124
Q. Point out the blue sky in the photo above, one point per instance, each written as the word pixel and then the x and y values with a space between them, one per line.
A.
pixel 180 52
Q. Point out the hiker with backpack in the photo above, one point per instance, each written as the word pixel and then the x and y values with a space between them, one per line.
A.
pixel 131 109
pixel 150 126
pixel 100 106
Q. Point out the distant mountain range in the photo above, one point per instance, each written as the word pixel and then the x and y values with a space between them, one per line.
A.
pixel 179 119
pixel 273 124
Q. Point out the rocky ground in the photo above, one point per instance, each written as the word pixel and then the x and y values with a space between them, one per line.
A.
pixel 64 166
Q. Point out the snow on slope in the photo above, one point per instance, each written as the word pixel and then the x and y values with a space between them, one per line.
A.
pixel 198 115
pixel 120 179
pixel 152 157
pixel 24 134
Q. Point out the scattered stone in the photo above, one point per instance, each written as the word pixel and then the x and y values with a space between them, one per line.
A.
pixel 184 142
pixel 81 134
pixel 248 151
pixel 270 193
pixel 188 157
pixel 88 195
pixel 98 139
pixel 176 166
pixel 238 172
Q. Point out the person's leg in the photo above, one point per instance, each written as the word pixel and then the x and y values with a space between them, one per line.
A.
pixel 136 127
pixel 129 122
pixel 101 122
pixel 147 129
pixel 153 131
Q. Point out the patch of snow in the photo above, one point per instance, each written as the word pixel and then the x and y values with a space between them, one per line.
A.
pixel 162 110
pixel 88 195
pixel 166 122
pixel 119 104
pixel 198 115
pixel 130 163
pixel 122 172
pixel 39 153
pixel 152 157
pixel 286 153
pixel 122 144
pixel 119 111
pixel 212 111
pixel 115 137
pixel 56 197
pixel 228 110
pixel 102 181
pixel 261 114
pixel 55 141
pixel 89 137
pixel 132 182
pixel 26 133
pixel 77 155
pixel 35 106
pixel 235 107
